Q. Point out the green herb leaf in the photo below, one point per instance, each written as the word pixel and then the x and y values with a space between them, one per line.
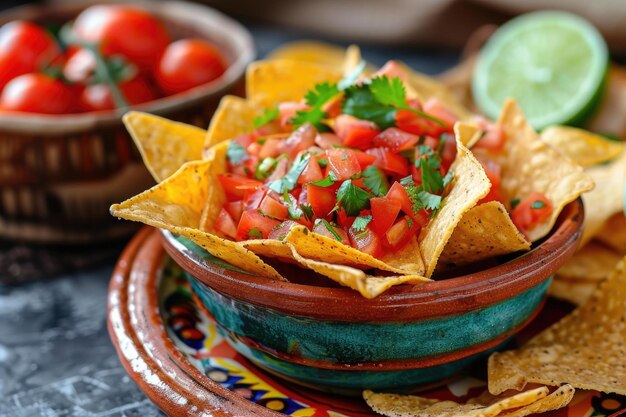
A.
pixel 537 204
pixel 448 178
pixel 316 98
pixel 352 198
pixel 420 198
pixel 307 210
pixel 323 162
pixel 268 116
pixel 514 202
pixel 326 182
pixel 236 153
pixel 289 181
pixel 360 102
pixel 255 233
pixel 360 223
pixel 264 167
pixel 432 181
pixel 389 91
pixel 429 201
pixel 295 212
pixel 375 180
pixel 329 227
pixel 351 78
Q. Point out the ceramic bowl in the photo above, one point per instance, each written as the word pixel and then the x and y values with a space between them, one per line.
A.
pixel 59 174
pixel 335 340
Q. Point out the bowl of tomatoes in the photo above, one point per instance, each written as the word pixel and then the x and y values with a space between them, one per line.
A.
pixel 67 74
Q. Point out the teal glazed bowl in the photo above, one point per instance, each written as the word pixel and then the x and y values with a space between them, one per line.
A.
pixel 333 339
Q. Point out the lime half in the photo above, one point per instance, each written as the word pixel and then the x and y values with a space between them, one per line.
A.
pixel 553 63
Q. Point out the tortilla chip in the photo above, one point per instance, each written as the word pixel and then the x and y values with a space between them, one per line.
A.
pixel 583 147
pixel 176 205
pixel 233 117
pixel 573 291
pixel 468 133
pixel 593 262
pixel 585 349
pixel 533 401
pixel 469 185
pixel 530 165
pixel 164 144
pixel 271 82
pixel 484 232
pixel 613 234
pixel 314 52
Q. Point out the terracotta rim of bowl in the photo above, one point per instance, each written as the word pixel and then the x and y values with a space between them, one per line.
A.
pixel 402 303
pixel 234 40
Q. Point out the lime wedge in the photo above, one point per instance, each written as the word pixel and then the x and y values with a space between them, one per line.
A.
pixel 553 63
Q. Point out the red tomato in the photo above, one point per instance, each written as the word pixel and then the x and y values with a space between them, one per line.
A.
pixel 301 139
pixel 225 224
pixel 399 234
pixel 37 93
pixel 492 170
pixel 98 97
pixel 437 109
pixel 24 48
pixel 343 162
pixel 188 63
pixel 393 69
pixel 384 213
pixel 253 197
pixel 279 232
pixel 322 229
pixel 288 109
pixel 254 225
pixel 332 107
pixel 279 171
pixel 344 220
pixel 235 185
pixel 270 206
pixel 234 208
pixel 80 65
pixel 328 140
pixel 398 193
pixel 124 30
pixel 395 140
pixel 364 159
pixel 448 154
pixel 354 132
pixel 321 199
pixel 493 138
pixel 390 162
pixel 531 211
pixel 311 173
pixel 272 148
pixel 366 241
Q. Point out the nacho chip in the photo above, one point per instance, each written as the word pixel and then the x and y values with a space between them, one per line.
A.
pixel 573 291
pixel 525 161
pixel 583 147
pixel 522 404
pixel 176 205
pixel 164 145
pixel 613 234
pixel 314 52
pixel 585 349
pixel 469 185
pixel 484 232
pixel 593 262
pixel 271 82
pixel 468 133
pixel 233 117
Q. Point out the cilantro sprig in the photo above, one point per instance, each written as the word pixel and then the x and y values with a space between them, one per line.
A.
pixel 375 180
pixel 316 99
pixel 352 198
pixel 268 116
pixel 360 223
pixel 289 181
pixel 328 227
pixel 236 153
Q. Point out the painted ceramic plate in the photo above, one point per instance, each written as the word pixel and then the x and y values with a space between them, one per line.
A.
pixel 172 349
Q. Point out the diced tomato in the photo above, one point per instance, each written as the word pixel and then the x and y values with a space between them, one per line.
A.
pixel 301 139
pixel 311 173
pixel 332 107
pixel 272 148
pixel 270 206
pixel 254 149
pixel 288 109
pixel 393 69
pixel 225 224
pixel 399 234
pixel 395 140
pixel 234 186
pixel 384 213
pixel 252 198
pixel 254 225
pixel 356 133
pixel 492 170
pixel 417 124
pixel 322 229
pixel 366 241
pixel 420 219
pixel 448 153
pixel 234 208
pixel 279 232
pixel 493 139
pixel 321 199
pixel 398 193
pixel 434 107
pixel 531 211
pixel 244 140
pixel 364 159
pixel 389 162
pixel 344 220
pixel 328 140
pixel 280 170
pixel 343 163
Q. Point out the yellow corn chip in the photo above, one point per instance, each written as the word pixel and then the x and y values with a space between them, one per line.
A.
pixel 530 165
pixel 613 234
pixel 164 144
pixel 583 147
pixel 176 205
pixel 468 133
pixel 573 291
pixel 586 349
pixel 484 232
pixel 271 82
pixel 558 399
pixel 469 185
pixel 314 52
pixel 233 117
pixel 592 262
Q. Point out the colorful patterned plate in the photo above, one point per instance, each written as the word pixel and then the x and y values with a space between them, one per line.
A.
pixel 172 350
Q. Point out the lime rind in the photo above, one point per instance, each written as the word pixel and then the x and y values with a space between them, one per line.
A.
pixel 506 52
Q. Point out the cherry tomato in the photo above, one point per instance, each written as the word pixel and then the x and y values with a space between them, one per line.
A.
pixel 99 96
pixel 384 213
pixel 80 65
pixel 354 132
pixel 37 93
pixel 188 63
pixel 531 211
pixel 343 163
pixel 225 224
pixel 24 48
pixel 254 225
pixel 124 30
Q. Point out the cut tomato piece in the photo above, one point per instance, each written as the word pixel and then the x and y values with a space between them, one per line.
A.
pixel 389 162
pixel 435 108
pixel 288 110
pixel 339 234
pixel 270 206
pixel 399 234
pixel 234 186
pixel 493 138
pixel 321 199
pixel 311 173
pixel 344 220
pixel 420 219
pixel 356 133
pixel 280 170
pixel 272 148
pixel 252 198
pixel 393 69
pixel 254 225
pixel 384 213
pixel 448 153
pixel 531 211
pixel 395 140
pixel 332 107
pixel 328 140
pixel 301 139
pixel 279 232
pixel 418 124
pixel 364 159
pixel 343 163
pixel 225 224
pixel 398 193
pixel 366 241
pixel 492 170
pixel 234 208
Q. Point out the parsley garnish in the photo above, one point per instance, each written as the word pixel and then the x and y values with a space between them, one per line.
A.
pixel 352 198
pixel 375 180
pixel 515 202
pixel 360 223
pixel 289 181
pixel 326 182
pixel 329 227
pixel 255 233
pixel 537 204
pixel 236 153
pixel 268 116
pixel 316 99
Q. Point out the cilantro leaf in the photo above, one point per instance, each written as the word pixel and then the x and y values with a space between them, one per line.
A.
pixel 316 98
pixel 351 78
pixel 448 178
pixel 326 182
pixel 432 181
pixel 429 201
pixel 236 153
pixel 420 198
pixel 288 182
pixel 255 233
pixel 362 104
pixel 389 91
pixel 329 227
pixel 268 116
pixel 263 168
pixel 352 198
pixel 307 209
pixel 375 180
pixel 360 223
pixel 292 206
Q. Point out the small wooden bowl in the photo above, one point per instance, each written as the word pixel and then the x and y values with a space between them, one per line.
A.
pixel 59 174
pixel 335 340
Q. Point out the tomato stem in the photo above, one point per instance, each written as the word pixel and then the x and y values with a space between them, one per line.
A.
pixel 103 72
